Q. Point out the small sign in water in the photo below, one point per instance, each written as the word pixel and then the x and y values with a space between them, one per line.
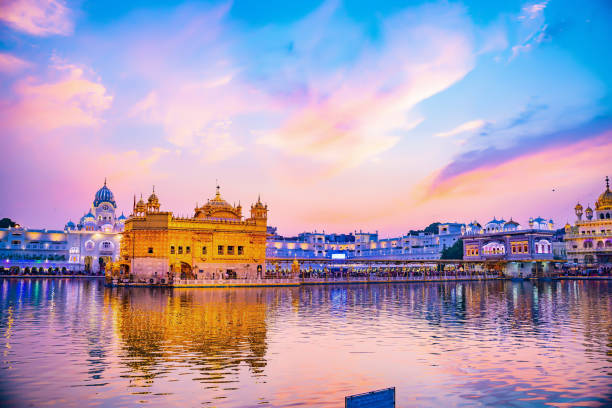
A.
pixel 373 399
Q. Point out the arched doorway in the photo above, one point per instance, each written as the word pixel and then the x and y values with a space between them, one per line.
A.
pixel 103 261
pixel 88 261
pixel 186 271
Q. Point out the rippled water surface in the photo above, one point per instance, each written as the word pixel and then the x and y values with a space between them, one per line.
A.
pixel 77 343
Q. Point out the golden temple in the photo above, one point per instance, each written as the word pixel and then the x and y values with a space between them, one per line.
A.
pixel 216 243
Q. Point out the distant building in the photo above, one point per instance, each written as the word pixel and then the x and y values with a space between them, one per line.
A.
pixel 589 242
pixel 216 242
pixel 523 250
pixel 365 245
pixel 34 250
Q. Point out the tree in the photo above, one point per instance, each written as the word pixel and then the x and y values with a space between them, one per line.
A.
pixel 7 222
pixel 453 252
pixel 430 229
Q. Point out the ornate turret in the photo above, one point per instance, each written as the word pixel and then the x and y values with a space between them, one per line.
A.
pixel 589 213
pixel 153 202
pixel 578 210
pixel 140 208
pixel 259 210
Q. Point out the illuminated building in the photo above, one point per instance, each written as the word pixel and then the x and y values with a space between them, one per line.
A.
pixel 86 246
pixel 215 243
pixel 589 241
pixel 94 241
pixel 417 245
pixel 523 250
pixel 33 250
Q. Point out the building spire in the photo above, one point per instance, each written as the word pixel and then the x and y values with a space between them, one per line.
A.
pixel 104 181
pixel 607 183
pixel 153 188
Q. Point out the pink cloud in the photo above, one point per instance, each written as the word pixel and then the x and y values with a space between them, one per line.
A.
pixel 70 99
pixel 37 17
pixel 498 187
pixel 353 115
pixel 9 64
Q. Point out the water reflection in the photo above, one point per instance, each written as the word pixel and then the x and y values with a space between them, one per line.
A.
pixel 75 343
pixel 213 331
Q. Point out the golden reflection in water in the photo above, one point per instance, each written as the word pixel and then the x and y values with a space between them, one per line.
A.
pixel 213 330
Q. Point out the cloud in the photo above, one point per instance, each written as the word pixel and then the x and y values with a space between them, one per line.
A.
pixel 533 10
pixel 532 30
pixel 465 127
pixel 9 64
pixel 479 161
pixel 533 40
pixel 349 115
pixel 197 116
pixel 37 17
pixel 69 99
pixel 533 174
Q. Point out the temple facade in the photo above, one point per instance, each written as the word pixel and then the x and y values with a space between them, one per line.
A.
pixel 589 241
pixel 520 251
pixel 215 243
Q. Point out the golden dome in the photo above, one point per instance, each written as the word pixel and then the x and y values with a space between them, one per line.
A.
pixel 218 208
pixel 578 207
pixel 604 202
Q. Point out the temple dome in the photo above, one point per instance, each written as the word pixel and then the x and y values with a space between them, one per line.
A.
pixel 218 208
pixel 104 195
pixel 604 202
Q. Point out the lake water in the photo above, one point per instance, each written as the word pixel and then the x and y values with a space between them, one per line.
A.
pixel 496 343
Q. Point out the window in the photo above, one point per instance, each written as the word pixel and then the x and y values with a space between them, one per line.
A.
pixel 525 249
pixel 16 242
pixel 240 250
pixel 150 250
pixel 230 250
pixel 187 250
pixel 105 245
pixel 220 249
pixel 203 250
pixel 180 251
pixel 172 249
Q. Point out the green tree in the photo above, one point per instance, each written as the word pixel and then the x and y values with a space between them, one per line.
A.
pixel 7 222
pixel 453 252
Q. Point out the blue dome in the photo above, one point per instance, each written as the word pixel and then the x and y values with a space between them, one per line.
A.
pixel 104 195
pixel 122 217
pixel 70 225
pixel 89 217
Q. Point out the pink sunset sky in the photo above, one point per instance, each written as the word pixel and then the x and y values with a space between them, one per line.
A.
pixel 342 117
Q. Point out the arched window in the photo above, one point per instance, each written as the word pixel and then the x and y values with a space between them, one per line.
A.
pixel 608 215
pixel 600 244
pixel 543 246
pixel 89 245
